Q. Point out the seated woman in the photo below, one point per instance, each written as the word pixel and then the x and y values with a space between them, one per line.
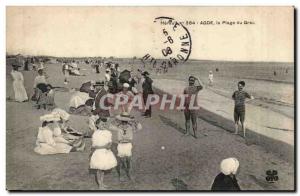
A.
pixel 79 103
pixel 74 69
pixel 50 139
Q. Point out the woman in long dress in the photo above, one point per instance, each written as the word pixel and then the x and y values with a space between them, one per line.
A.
pixel 102 158
pixel 18 85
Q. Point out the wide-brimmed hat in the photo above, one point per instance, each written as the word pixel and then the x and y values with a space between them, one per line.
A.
pixel 16 65
pixel 124 116
pixel 145 73
pixel 40 69
pixel 98 83
pixel 50 117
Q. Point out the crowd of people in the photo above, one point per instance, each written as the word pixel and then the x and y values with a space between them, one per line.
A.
pixel 56 136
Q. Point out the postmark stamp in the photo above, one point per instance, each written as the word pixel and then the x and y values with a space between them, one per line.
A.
pixel 173 44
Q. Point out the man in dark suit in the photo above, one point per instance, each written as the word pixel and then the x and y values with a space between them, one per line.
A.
pixel 147 90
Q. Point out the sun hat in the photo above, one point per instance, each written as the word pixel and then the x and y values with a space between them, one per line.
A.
pixel 50 117
pixel 145 73
pixel 124 116
pixel 98 83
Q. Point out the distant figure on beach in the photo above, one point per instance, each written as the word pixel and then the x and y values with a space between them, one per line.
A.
pixel 239 98
pixel 18 85
pixel 66 72
pixel 217 69
pixel 26 66
pixel 147 90
pixel 107 77
pixel 210 78
pixel 275 73
pixel 226 180
pixel 97 66
pixel 191 114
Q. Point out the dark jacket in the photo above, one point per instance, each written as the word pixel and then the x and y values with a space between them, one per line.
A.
pixel 147 86
pixel 224 182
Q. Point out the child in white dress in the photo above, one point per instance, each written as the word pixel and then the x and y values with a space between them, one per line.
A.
pixel 102 158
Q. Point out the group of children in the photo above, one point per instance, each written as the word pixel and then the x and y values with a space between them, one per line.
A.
pixel 108 152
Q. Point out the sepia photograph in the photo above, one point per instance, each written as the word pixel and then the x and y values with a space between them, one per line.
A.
pixel 156 98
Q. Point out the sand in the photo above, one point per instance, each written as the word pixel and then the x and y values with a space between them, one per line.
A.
pixel 195 161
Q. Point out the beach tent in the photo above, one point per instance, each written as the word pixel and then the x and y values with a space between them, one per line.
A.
pixel 124 76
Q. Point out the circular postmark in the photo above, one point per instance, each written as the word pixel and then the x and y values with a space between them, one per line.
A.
pixel 173 44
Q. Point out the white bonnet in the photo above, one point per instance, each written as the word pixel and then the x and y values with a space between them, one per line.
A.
pixel 229 166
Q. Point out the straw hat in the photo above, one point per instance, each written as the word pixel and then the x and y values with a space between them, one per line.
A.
pixel 145 73
pixel 124 116
pixel 98 83
pixel 50 117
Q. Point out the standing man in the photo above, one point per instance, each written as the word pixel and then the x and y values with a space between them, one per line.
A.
pixel 101 91
pixel 107 77
pixel 147 90
pixel 239 98
pixel 66 72
pixel 26 66
pixel 97 65
pixel 191 100
pixel 210 78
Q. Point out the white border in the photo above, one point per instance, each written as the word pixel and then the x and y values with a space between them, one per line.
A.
pixel 5 3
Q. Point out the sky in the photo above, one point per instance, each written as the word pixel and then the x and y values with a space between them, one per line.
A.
pixel 130 31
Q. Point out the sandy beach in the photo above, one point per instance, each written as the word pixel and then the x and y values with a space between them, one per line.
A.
pixel 195 161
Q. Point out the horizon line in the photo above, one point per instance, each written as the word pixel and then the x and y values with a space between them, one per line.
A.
pixel 114 57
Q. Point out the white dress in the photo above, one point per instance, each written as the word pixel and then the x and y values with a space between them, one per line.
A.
pixel 18 85
pixel 51 142
pixel 78 99
pixel 102 159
